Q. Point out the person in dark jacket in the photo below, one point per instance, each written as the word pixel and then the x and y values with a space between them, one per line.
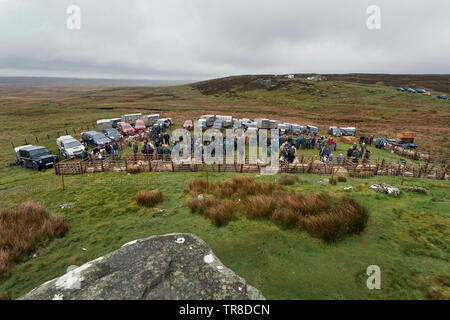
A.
pixel 167 138
pixel 85 154
pixel 116 149
pixel 349 152
pixel 108 150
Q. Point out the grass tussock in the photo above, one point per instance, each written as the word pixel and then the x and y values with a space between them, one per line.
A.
pixel 22 230
pixel 342 179
pixel 361 174
pixel 287 180
pixel 134 168
pixel 149 198
pixel 322 215
pixel 220 212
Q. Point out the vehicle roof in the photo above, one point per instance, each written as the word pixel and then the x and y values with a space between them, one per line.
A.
pixel 34 148
pixel 68 137
pixel 23 147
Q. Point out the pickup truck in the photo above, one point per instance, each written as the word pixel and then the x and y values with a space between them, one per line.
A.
pixel 69 147
pixel 35 157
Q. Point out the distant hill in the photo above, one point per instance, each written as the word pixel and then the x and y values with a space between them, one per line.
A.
pixel 81 82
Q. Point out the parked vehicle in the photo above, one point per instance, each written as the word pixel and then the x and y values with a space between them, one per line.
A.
pixel 36 157
pixel 245 122
pixel 252 125
pixel 125 128
pixel 188 125
pixel 442 96
pixel 94 139
pixel 400 89
pixel 263 123
pixel 69 147
pixel 311 129
pixel 209 118
pixel 421 91
pixel 237 124
pixel 104 124
pixel 139 125
pixel 131 118
pixel 283 128
pixel 348 131
pixel 410 90
pixel 164 122
pixel 218 124
pixel 16 152
pixel 427 94
pixel 227 120
pixel 201 123
pixel 114 122
pixel 335 131
pixel 296 129
pixel 150 119
pixel 113 134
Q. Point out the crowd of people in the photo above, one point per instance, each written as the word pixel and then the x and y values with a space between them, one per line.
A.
pixel 157 144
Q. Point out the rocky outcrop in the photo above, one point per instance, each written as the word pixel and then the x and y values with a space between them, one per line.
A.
pixel 172 266
pixel 385 188
pixel 417 189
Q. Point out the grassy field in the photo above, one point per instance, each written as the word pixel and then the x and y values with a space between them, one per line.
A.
pixel 407 237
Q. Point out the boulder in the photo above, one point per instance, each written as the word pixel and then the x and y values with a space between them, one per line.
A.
pixel 385 188
pixel 417 189
pixel 171 266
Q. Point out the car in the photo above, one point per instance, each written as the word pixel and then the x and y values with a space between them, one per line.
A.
pixel 16 152
pixel 94 139
pixel 115 121
pixel 421 91
pixel 427 94
pixel 335 131
pixel 245 122
pixel 400 89
pixel 164 122
pixel 69 147
pixel 348 131
pixel 311 129
pixel 218 124
pixel 201 123
pixel 125 128
pixel 282 127
pixel 113 134
pixel 237 124
pixel 36 157
pixel 296 129
pixel 188 125
pixel 139 125
pixel 410 90
pixel 442 96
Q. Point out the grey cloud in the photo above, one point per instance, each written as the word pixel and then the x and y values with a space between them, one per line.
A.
pixel 198 39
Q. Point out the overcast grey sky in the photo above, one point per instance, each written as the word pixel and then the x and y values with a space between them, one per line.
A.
pixel 201 39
